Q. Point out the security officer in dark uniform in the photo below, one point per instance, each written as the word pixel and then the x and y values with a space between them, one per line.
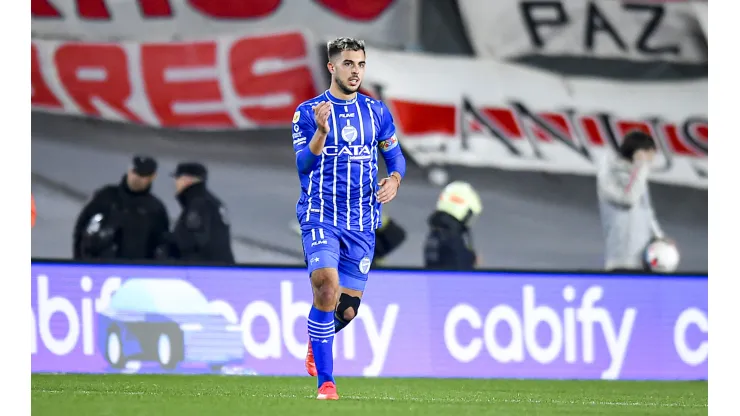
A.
pixel 201 233
pixel 123 221
pixel 449 244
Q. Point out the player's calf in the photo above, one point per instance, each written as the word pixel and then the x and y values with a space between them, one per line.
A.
pixel 325 283
pixel 346 310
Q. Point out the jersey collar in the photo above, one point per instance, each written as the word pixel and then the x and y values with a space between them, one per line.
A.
pixel 334 100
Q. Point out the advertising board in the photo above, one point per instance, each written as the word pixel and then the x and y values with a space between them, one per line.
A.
pixel 147 319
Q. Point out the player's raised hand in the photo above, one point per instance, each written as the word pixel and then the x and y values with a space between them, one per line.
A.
pixel 321 112
pixel 388 189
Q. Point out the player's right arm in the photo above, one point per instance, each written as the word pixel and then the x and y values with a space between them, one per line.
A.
pixel 307 153
pixel 621 186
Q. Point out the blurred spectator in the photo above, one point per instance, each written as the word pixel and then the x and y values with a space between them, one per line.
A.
pixel 33 212
pixel 449 243
pixel 627 217
pixel 202 232
pixel 387 239
pixel 123 221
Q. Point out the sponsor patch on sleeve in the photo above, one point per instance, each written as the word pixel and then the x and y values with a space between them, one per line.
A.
pixel 388 144
pixel 296 116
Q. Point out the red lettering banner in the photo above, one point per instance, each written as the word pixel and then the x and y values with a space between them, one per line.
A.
pixel 222 9
pixel 380 22
pixel 502 115
pixel 224 83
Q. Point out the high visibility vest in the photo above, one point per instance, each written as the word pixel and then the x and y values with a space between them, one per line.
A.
pixel 33 212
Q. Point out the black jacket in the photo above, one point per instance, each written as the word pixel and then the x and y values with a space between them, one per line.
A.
pixel 202 232
pixel 448 245
pixel 387 239
pixel 133 225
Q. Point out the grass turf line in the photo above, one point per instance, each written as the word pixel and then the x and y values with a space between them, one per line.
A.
pixel 165 395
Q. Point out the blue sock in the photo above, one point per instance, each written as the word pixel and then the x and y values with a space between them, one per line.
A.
pixel 321 336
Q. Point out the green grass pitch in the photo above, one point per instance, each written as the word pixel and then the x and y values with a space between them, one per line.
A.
pixel 170 395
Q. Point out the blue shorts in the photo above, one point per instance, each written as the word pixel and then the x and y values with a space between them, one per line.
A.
pixel 350 252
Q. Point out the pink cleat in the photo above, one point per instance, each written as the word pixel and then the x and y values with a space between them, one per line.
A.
pixel 328 391
pixel 310 363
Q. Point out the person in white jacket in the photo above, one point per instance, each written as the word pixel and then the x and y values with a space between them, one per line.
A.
pixel 627 217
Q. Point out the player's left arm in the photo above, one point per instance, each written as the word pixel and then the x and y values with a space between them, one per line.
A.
pixel 304 129
pixel 655 227
pixel 393 156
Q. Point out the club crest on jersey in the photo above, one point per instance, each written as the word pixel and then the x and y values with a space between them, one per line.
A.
pixel 349 134
pixel 389 144
pixel 296 116
pixel 365 265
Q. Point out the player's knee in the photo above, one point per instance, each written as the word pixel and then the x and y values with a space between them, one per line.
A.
pixel 348 307
pixel 325 286
pixel 325 278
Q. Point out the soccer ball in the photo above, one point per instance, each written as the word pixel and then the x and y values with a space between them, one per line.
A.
pixel 662 257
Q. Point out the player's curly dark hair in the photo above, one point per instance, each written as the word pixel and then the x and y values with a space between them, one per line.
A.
pixel 337 46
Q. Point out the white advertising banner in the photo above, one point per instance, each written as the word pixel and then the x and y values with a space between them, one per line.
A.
pixel 639 30
pixel 701 8
pixel 381 22
pixel 484 113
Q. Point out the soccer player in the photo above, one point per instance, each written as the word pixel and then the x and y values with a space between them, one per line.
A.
pixel 337 137
pixel 627 217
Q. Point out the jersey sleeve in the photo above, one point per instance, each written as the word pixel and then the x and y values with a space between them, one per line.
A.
pixel 303 130
pixel 387 140
pixel 623 186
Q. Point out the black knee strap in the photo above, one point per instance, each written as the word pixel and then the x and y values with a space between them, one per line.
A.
pixel 345 302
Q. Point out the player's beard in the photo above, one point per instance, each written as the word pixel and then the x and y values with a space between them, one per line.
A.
pixel 346 88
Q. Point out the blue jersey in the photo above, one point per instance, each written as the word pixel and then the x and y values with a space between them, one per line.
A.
pixel 340 190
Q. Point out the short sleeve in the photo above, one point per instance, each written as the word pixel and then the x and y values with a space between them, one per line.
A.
pixel 303 128
pixel 388 142
pixel 387 127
